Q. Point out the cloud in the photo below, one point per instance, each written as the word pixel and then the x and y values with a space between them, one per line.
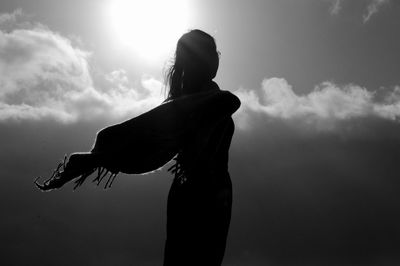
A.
pixel 125 100
pixel 324 107
pixel 336 6
pixel 373 8
pixel 43 75
pixel 10 17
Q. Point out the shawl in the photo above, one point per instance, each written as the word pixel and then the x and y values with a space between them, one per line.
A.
pixel 144 143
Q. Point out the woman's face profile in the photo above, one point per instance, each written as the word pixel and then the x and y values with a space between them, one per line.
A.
pixel 200 54
pixel 195 64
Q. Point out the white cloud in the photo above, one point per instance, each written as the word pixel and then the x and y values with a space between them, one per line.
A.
pixel 373 8
pixel 326 105
pixel 125 100
pixel 43 75
pixel 336 6
pixel 10 17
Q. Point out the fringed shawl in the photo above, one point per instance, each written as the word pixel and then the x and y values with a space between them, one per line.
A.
pixel 144 143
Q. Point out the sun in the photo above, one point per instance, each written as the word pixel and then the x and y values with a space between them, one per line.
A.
pixel 150 28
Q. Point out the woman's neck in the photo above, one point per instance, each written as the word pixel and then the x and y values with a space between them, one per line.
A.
pixel 194 86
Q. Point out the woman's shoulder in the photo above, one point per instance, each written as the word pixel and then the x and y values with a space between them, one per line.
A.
pixel 210 98
pixel 223 100
pixel 213 86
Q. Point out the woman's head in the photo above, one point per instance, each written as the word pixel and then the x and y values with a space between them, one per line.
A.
pixel 196 63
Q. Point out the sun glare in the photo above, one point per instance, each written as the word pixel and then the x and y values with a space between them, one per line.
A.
pixel 149 27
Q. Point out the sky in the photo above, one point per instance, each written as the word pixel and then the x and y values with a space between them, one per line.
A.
pixel 314 158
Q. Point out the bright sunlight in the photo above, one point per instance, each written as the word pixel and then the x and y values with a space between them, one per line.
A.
pixel 150 28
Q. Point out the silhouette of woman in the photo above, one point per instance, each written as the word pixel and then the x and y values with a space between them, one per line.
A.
pixel 195 123
pixel 200 198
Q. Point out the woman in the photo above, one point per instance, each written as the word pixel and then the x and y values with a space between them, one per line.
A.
pixel 195 123
pixel 199 201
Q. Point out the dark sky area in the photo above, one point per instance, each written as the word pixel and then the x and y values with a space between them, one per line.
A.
pixel 314 160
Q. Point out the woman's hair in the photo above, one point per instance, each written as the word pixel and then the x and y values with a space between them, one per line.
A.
pixel 195 63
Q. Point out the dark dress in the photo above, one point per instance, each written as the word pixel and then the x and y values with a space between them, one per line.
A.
pixel 200 198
